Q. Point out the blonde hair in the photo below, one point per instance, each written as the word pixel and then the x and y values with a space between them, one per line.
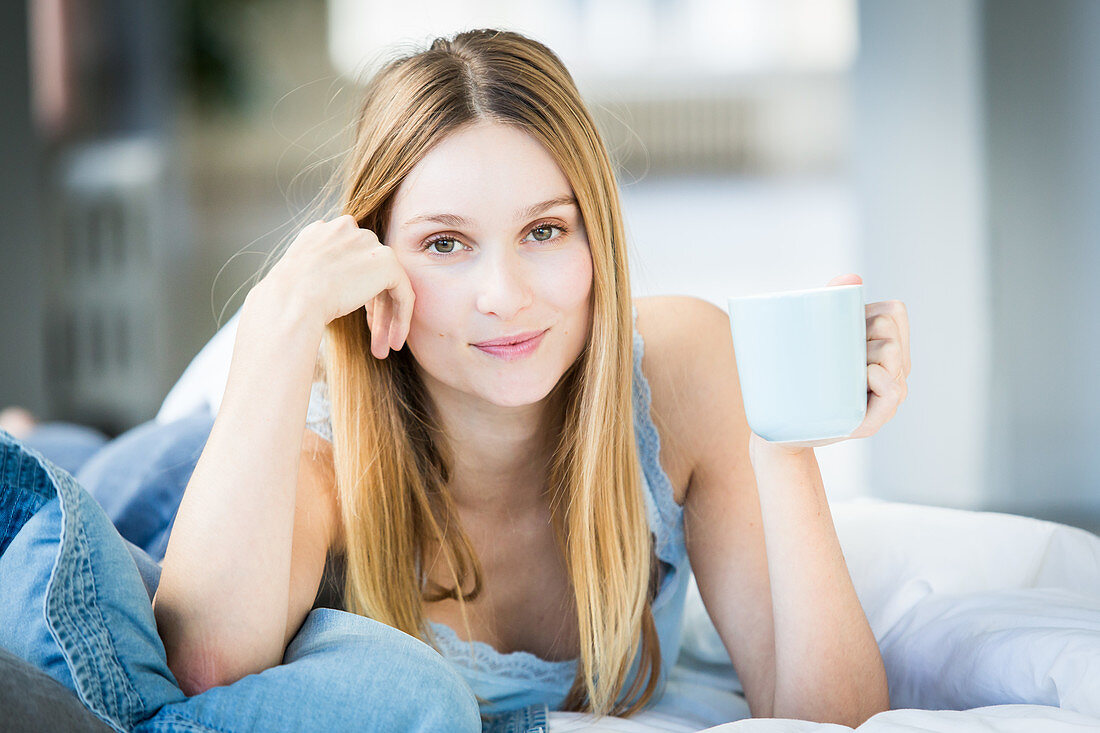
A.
pixel 392 461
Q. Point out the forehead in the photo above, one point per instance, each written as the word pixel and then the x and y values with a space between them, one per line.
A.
pixel 487 168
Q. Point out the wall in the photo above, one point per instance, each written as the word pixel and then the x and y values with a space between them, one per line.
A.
pixel 1043 140
pixel 977 161
pixel 919 172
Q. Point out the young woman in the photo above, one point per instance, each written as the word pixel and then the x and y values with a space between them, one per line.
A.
pixel 355 519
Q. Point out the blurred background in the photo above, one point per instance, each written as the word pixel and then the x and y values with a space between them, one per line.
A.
pixel 948 151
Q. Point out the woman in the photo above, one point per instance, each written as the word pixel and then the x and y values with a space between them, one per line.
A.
pixel 520 493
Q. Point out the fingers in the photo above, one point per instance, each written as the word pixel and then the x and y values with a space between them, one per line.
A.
pixel 889 319
pixel 884 396
pixel 887 353
pixel 403 298
pixel 394 332
pixel 379 335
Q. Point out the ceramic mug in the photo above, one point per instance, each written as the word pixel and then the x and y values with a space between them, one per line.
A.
pixel 802 361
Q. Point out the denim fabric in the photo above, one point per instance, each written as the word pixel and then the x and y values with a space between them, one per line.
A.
pixel 140 476
pixel 531 719
pixel 68 445
pixel 75 606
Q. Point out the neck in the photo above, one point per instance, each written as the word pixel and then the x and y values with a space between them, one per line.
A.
pixel 501 454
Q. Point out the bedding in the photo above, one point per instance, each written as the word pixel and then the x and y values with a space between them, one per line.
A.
pixel 986 621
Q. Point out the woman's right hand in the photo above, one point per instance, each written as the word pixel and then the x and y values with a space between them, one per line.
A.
pixel 333 268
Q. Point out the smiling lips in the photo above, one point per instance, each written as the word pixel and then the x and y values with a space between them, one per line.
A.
pixel 509 340
pixel 509 349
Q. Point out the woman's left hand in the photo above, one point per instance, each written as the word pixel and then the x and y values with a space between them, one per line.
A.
pixel 887 368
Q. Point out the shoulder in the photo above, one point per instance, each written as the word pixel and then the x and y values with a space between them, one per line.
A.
pixel 684 337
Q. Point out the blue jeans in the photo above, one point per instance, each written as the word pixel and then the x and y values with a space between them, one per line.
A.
pixel 138 478
pixel 76 605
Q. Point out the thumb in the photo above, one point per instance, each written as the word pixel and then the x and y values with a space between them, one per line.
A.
pixel 849 279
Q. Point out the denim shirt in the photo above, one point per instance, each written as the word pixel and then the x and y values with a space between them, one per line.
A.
pixel 520 679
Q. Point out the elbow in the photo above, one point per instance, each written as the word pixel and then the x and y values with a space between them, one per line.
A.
pixel 196 685
pixel 201 672
pixel 201 657
pixel 196 675
pixel 201 667
pixel 876 701
pixel 872 696
pixel 190 660
pixel 851 709
pixel 197 668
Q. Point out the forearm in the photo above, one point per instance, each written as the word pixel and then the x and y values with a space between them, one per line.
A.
pixel 222 601
pixel 828 667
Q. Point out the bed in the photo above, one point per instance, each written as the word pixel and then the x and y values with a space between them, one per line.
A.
pixel 985 621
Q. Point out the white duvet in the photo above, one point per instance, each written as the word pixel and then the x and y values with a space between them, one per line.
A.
pixel 986 622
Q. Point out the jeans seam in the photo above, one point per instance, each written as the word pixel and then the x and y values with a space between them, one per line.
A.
pixel 131 684
pixel 62 595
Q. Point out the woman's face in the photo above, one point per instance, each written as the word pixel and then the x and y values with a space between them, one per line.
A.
pixel 487 260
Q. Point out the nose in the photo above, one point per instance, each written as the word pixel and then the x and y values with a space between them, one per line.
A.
pixel 503 283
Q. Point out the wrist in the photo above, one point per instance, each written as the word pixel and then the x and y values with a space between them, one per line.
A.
pixel 762 449
pixel 275 309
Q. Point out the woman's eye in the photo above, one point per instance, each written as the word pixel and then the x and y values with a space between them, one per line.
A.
pixel 449 245
pixel 448 241
pixel 547 228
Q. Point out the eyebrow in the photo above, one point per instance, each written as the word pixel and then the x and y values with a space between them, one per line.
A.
pixel 455 220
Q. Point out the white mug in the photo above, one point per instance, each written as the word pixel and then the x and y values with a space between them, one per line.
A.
pixel 802 361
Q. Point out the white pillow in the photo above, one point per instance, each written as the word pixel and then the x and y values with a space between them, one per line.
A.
pixel 1028 645
pixel 897 554
pixel 910 563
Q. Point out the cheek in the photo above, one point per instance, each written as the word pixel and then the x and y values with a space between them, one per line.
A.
pixel 434 300
pixel 569 282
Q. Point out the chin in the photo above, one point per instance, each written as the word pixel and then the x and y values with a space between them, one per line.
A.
pixel 518 397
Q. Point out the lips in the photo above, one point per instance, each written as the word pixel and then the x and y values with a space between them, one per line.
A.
pixel 509 340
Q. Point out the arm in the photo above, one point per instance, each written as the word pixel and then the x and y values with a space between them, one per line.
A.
pixel 764 550
pixel 828 664
pixel 247 551
pixel 222 602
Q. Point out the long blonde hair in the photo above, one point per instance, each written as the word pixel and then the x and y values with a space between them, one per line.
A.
pixel 392 462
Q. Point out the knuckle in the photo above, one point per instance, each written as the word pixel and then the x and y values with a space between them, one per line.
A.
pixel 380 251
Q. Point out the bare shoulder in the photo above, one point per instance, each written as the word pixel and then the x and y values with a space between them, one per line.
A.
pixel 676 329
